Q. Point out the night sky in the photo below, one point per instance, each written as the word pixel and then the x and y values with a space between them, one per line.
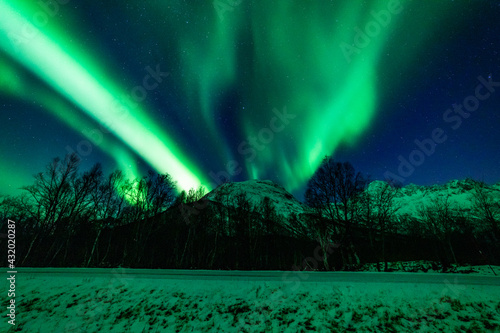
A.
pixel 251 89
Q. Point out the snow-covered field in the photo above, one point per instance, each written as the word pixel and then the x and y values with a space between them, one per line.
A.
pixel 123 304
pixel 426 266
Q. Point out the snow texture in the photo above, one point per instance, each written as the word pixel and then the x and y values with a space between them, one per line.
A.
pixel 255 191
pixel 121 304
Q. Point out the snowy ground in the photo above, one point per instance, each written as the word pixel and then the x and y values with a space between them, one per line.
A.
pixel 123 304
pixel 425 266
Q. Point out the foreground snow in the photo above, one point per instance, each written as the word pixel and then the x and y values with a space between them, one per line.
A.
pixel 123 304
pixel 427 266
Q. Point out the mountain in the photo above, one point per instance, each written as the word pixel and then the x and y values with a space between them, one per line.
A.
pixel 411 197
pixel 255 191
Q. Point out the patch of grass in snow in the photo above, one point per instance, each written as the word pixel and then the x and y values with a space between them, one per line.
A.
pixel 465 318
pixel 474 327
pixel 238 308
pixel 131 312
pixel 455 304
pixel 491 325
pixel 179 294
pixel 33 304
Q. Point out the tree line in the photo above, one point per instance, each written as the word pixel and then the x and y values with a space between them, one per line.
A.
pixel 349 214
pixel 88 219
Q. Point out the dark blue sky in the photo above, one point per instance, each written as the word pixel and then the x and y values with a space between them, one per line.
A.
pixel 230 69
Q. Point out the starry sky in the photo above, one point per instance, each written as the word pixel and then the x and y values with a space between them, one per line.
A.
pixel 237 89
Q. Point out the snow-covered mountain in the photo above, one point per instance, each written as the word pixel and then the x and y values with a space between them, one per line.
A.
pixel 408 199
pixel 255 191
pixel 459 192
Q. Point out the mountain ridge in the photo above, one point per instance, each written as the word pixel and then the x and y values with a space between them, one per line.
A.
pixel 408 198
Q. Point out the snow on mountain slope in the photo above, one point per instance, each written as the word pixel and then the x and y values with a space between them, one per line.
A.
pixel 411 197
pixel 255 191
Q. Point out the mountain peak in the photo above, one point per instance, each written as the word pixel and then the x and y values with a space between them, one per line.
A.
pixel 255 191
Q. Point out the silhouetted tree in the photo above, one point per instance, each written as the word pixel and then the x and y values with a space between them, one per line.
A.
pixel 195 195
pixel 377 210
pixel 487 208
pixel 269 216
pixel 48 199
pixel 439 220
pixel 150 196
pixel 244 230
pixel 80 208
pixel 332 192
pixel 107 206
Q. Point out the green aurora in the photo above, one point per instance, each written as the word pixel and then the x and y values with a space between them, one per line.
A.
pixel 320 62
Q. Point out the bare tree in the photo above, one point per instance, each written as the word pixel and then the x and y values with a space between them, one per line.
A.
pixel 48 199
pixel 487 208
pixel 332 192
pixel 269 216
pixel 11 207
pixel 107 207
pixel 195 195
pixel 377 209
pixel 52 189
pixel 79 208
pixel 244 230
pixel 440 222
pixel 108 203
pixel 82 191
pixel 154 194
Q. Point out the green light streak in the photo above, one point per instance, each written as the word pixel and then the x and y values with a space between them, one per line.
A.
pixel 9 80
pixel 209 61
pixel 68 73
pixel 65 113
pixel 334 101
pixel 16 178
pixel 286 54
pixel 124 160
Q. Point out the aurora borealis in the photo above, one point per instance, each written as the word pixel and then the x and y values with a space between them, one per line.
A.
pixel 246 89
